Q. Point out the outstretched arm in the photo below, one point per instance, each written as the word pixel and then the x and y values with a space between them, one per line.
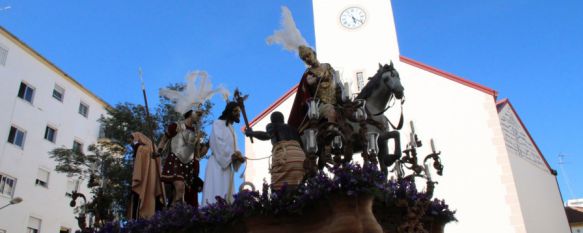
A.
pixel 263 136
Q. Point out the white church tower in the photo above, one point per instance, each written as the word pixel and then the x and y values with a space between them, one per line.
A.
pixel 355 36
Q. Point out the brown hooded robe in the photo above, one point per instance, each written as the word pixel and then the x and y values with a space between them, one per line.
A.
pixel 146 177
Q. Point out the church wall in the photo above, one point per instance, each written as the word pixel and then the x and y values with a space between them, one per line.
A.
pixel 539 198
pixel 46 203
pixel 537 188
pixel 464 124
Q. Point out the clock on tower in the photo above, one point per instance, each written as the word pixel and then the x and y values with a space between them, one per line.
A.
pixel 352 17
pixel 354 36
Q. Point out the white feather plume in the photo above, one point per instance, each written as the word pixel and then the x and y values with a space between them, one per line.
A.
pixel 198 90
pixel 289 36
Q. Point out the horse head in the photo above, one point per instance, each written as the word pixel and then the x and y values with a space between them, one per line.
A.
pixel 382 86
pixel 390 78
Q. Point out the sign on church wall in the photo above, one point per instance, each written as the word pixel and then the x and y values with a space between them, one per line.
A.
pixel 517 140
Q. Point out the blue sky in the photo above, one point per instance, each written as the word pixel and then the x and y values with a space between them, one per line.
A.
pixel 529 51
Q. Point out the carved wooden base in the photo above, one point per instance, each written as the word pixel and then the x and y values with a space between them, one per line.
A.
pixel 338 214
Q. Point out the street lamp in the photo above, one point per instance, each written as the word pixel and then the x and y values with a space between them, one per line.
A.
pixel 14 201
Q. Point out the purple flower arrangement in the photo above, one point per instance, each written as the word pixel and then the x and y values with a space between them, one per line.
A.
pixel 350 180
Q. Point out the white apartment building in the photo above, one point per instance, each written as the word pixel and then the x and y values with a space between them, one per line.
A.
pixel 42 108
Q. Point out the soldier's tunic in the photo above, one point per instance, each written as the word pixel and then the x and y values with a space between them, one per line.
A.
pixel 181 164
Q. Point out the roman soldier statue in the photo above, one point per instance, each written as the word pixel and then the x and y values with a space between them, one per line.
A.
pixel 318 81
pixel 181 166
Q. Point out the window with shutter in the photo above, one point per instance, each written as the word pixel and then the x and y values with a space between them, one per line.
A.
pixel 33 225
pixel 42 178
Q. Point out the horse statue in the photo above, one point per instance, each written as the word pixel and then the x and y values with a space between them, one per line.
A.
pixel 378 92
pixel 361 125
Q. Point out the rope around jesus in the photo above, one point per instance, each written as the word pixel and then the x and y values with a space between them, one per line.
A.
pixel 254 159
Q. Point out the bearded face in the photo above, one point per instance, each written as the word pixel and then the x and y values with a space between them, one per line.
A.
pixel 231 113
pixel 236 115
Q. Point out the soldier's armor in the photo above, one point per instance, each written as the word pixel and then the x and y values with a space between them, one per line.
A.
pixel 184 143
pixel 327 87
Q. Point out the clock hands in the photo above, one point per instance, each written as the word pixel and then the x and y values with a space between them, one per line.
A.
pixel 355 20
pixel 352 17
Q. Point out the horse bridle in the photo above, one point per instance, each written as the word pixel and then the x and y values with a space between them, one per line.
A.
pixel 391 97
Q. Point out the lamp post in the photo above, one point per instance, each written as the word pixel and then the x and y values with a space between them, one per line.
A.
pixel 14 201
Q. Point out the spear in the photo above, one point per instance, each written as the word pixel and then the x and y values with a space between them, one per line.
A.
pixel 240 98
pixel 151 129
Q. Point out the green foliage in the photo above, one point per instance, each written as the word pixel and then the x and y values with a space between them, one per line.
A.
pixel 107 166
pixel 125 118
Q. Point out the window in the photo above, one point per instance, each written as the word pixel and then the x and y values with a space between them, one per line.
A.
pixel 7 185
pixel 3 56
pixel 26 92
pixel 359 80
pixel 51 134
pixel 83 109
pixel 33 225
pixel 42 178
pixel 72 185
pixel 58 93
pixel 77 147
pixel 16 136
pixel 101 130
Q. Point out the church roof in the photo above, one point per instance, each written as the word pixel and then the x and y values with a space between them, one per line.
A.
pixel 403 59
pixel 505 102
pixel 450 76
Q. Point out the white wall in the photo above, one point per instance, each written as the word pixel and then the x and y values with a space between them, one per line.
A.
pixel 464 124
pixel 49 204
pixel 537 189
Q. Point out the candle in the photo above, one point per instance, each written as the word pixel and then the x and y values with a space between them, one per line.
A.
pixel 399 169
pixel 413 144
pixel 412 128
pixel 427 173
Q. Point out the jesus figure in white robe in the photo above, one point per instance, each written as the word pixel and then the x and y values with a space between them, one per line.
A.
pixel 225 159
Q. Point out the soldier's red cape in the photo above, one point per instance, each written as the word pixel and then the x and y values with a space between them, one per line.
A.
pixel 299 108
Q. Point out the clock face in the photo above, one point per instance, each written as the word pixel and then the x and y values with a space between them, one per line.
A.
pixel 352 17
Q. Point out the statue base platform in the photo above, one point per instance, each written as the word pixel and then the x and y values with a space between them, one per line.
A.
pixel 337 214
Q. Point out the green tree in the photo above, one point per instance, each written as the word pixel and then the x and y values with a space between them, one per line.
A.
pixel 108 164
